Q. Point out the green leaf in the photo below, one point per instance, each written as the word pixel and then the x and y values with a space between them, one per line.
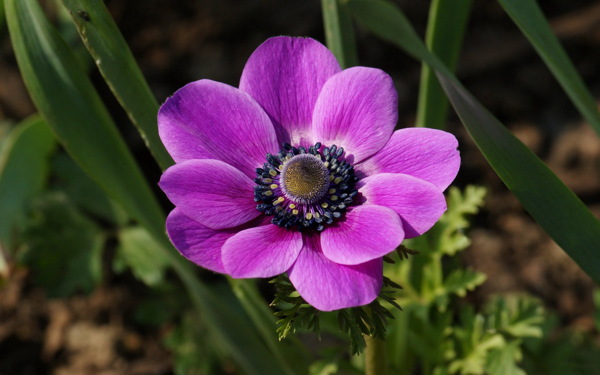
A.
pixel 461 281
pixel 67 100
pixel 517 316
pixel 118 67
pixel 63 247
pixel 445 29
pixel 530 19
pixel 24 166
pixel 339 33
pixel 554 206
pixel 2 16
pixel 249 297
pixel 503 361
pixel 84 192
pixel 140 251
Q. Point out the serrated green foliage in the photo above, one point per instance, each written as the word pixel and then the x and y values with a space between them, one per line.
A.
pixel 516 317
pixel 491 342
pixel 24 168
pixel 422 276
pixel 504 361
pixel 295 313
pixel 63 247
pixel 438 335
pixel 139 251
pixel 459 282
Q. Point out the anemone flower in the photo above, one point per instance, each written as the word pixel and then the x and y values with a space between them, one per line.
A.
pixel 300 171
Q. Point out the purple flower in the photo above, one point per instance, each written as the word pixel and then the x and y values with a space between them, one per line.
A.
pixel 300 171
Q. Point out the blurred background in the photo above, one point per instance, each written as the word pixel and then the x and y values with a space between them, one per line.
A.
pixel 111 328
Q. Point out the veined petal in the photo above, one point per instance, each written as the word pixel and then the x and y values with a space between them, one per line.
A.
pixel 285 76
pixel 419 203
pixel 366 233
pixel 428 154
pixel 196 242
pixel 263 251
pixel 211 192
pixel 329 286
pixel 357 109
pixel 212 120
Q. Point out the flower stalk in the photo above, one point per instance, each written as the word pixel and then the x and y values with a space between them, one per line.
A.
pixel 375 361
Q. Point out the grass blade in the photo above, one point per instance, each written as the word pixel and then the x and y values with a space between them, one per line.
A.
pixel 339 33
pixel 554 206
pixel 120 71
pixel 24 166
pixel 530 19
pixel 67 100
pixel 445 29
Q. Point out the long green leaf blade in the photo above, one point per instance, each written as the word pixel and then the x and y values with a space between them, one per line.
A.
pixel 445 29
pixel 554 206
pixel 24 166
pixel 67 100
pixel 118 67
pixel 339 33
pixel 2 15
pixel 530 19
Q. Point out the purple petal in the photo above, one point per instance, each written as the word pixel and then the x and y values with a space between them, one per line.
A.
pixel 366 233
pixel 212 120
pixel 357 109
pixel 196 242
pixel 285 76
pixel 330 286
pixel 211 192
pixel 428 154
pixel 419 203
pixel 263 251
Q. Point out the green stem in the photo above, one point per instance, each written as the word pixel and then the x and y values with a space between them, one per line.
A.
pixel 375 363
pixel 339 34
pixel 445 30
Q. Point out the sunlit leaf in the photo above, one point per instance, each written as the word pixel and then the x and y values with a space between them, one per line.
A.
pixel 528 16
pixel 445 29
pixel 554 206
pixel 67 100
pixel 339 33
pixel 140 251
pixel 118 67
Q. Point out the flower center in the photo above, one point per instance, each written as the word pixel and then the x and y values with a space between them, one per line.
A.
pixel 304 179
pixel 305 188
